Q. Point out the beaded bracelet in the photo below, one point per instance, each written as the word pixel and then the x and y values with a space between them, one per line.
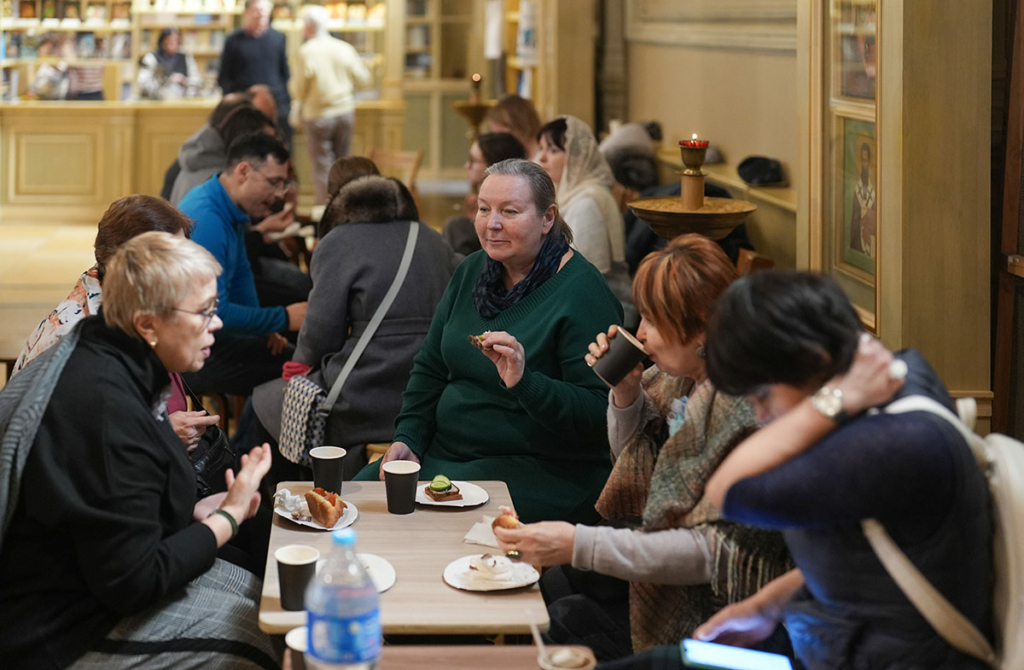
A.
pixel 231 520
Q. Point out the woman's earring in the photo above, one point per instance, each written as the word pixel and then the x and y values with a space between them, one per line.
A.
pixel 702 353
pixel 152 343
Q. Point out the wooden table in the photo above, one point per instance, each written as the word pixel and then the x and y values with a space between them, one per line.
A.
pixel 419 546
pixel 465 657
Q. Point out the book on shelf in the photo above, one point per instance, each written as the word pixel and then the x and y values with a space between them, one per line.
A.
pixel 96 12
pixel 85 45
pixel 70 9
pixel 49 10
pixel 27 9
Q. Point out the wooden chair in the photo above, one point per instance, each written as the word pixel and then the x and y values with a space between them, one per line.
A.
pixel 751 261
pixel 375 451
pixel 402 165
pixel 8 364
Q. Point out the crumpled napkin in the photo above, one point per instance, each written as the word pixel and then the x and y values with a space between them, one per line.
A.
pixel 293 504
pixel 482 534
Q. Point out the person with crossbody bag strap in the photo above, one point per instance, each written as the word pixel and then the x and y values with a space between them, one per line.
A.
pixel 1001 458
pixel 306 405
pixel 793 344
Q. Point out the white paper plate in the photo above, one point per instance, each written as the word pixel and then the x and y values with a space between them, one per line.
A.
pixel 347 519
pixel 458 574
pixel 381 572
pixel 472 495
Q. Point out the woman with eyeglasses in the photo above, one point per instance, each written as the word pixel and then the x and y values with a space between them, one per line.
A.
pixel 105 559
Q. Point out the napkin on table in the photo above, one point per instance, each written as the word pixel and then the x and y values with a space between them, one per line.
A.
pixel 293 504
pixel 482 534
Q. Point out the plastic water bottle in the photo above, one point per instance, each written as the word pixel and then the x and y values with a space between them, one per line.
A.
pixel 343 612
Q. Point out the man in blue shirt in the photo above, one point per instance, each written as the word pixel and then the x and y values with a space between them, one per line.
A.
pixel 249 350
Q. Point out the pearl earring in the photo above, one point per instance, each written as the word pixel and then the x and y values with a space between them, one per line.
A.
pixel 152 343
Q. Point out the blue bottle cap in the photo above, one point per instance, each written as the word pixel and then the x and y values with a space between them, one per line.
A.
pixel 345 537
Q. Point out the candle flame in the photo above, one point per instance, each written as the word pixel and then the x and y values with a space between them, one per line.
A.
pixel 476 77
pixel 695 136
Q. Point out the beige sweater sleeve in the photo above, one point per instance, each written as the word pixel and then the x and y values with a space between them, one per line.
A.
pixel 678 556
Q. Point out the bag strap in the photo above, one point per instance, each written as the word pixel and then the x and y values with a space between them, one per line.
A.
pixel 378 316
pixel 947 621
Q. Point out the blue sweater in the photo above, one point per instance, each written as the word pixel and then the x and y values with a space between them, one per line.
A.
pixel 220 229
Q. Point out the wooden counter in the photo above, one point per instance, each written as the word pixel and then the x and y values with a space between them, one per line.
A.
pixel 67 161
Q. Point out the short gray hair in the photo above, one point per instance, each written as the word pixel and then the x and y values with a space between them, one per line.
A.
pixel 542 189
pixel 315 16
pixel 153 272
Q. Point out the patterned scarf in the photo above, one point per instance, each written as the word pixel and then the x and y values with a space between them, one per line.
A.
pixel 743 559
pixel 491 297
pixel 624 496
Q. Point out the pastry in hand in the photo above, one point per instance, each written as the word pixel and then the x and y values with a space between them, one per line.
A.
pixel 441 489
pixel 478 341
pixel 508 519
pixel 325 508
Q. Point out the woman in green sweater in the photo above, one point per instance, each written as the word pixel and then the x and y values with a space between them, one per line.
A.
pixel 525 408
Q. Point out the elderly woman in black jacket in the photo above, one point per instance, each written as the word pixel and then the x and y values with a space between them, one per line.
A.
pixel 105 559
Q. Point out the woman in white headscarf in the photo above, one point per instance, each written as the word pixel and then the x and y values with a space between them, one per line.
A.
pixel 583 181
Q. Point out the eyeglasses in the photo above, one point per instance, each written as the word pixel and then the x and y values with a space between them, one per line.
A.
pixel 279 184
pixel 207 313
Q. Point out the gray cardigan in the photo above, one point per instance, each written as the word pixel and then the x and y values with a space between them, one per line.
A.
pixel 352 268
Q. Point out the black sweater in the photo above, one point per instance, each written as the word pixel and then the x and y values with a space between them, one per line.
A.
pixel 248 60
pixel 103 526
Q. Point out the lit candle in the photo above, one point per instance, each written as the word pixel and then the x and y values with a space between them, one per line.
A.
pixel 476 80
pixel 694 143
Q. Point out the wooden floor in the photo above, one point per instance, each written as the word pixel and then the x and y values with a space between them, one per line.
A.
pixel 40 263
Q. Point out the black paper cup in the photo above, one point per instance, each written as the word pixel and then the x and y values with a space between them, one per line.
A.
pixel 328 468
pixel 296 566
pixel 624 353
pixel 400 481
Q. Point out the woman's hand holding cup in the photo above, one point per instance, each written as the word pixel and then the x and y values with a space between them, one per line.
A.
pixel 626 391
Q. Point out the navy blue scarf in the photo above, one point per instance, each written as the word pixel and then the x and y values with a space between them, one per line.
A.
pixel 491 297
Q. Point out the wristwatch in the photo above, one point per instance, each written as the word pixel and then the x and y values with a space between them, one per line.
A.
pixel 829 402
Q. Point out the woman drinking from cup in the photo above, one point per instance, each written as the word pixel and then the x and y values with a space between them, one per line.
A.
pixel 675 562
pixel 525 408
pixel 102 561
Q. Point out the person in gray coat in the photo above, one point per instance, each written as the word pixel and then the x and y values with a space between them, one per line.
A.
pixel 352 268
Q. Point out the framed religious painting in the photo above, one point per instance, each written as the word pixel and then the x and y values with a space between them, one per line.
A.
pixel 855 211
pixel 854 49
pixel 893 172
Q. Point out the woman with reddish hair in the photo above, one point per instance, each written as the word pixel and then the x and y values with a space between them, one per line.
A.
pixel 665 559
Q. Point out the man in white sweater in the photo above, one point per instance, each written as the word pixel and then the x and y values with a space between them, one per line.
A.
pixel 326 72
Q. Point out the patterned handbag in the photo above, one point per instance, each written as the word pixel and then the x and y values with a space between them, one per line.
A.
pixel 303 418
pixel 306 405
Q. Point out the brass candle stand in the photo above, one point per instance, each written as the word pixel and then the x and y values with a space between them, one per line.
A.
pixel 475 109
pixel 692 212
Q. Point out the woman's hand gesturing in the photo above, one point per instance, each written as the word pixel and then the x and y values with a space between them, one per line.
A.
pixel 506 353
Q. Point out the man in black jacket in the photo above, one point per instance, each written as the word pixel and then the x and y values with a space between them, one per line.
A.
pixel 255 54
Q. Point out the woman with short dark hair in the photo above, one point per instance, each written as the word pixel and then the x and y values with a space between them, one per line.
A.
pixel 793 343
pixel 168 73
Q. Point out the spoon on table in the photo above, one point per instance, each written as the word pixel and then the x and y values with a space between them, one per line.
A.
pixel 536 636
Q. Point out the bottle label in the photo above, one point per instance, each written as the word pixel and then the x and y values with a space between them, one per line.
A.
pixel 344 639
